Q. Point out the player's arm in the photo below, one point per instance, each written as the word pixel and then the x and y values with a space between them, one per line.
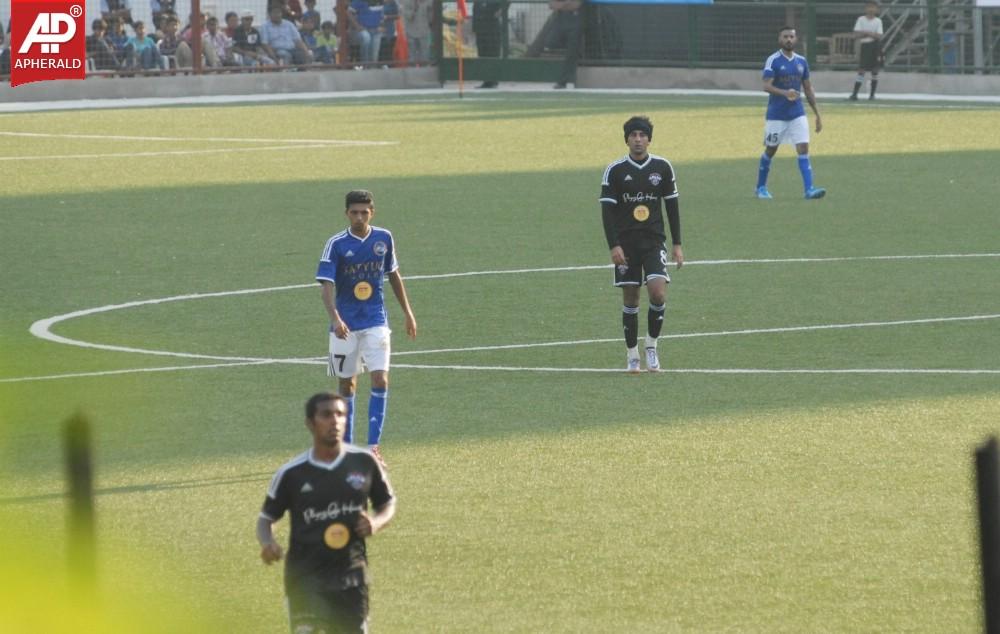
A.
pixel 270 550
pixel 396 281
pixel 611 233
pixel 811 98
pixel 791 94
pixel 674 220
pixel 329 301
pixel 371 523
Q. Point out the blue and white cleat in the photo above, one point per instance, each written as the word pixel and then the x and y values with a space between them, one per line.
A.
pixel 633 366
pixel 815 193
pixel 763 194
pixel 652 360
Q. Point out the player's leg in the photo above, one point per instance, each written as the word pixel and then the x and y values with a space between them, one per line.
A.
pixel 859 81
pixel 874 85
pixel 628 277
pixel 375 350
pixel 798 133
pixel 344 363
pixel 657 278
pixel 772 137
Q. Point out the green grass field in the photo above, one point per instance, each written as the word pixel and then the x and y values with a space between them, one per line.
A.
pixel 718 496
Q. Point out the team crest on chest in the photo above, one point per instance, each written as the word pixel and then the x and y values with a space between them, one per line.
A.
pixel 655 178
pixel 800 67
pixel 356 479
pixel 380 248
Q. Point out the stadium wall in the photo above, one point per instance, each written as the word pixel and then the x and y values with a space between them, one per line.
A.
pixel 625 78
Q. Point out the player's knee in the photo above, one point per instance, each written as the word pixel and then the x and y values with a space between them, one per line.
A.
pixel 347 387
pixel 380 380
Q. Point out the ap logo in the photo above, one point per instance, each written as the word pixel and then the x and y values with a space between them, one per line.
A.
pixel 48 40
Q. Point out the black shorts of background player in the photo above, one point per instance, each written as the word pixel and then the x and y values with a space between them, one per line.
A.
pixel 634 191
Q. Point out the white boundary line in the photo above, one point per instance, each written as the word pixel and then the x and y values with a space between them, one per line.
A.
pixel 504 368
pixel 118 137
pixel 43 328
pixel 447 94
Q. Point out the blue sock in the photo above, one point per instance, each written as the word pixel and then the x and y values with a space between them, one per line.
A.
pixel 376 414
pixel 807 171
pixel 763 170
pixel 349 432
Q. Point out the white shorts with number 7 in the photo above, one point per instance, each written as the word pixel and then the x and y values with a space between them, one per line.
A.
pixel 368 348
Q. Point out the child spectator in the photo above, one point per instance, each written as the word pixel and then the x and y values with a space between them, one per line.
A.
pixel 311 12
pixel 327 39
pixel 99 47
pixel 118 38
pixel 308 33
pixel 141 50
pixel 232 23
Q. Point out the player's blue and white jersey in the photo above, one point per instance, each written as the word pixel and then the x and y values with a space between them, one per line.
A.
pixel 357 267
pixel 787 73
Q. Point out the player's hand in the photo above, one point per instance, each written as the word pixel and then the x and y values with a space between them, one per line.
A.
pixel 618 256
pixel 340 329
pixel 271 553
pixel 411 326
pixel 791 94
pixel 678 255
pixel 364 527
pixel 819 124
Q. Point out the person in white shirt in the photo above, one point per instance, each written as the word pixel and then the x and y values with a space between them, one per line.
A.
pixel 868 29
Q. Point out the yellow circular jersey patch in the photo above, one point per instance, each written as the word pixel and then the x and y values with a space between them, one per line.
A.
pixel 641 213
pixel 336 536
pixel 362 290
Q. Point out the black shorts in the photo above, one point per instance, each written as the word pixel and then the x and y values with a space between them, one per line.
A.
pixel 647 258
pixel 870 56
pixel 326 610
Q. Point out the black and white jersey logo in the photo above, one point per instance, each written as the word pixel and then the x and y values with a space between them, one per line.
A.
pixel 655 178
pixel 356 479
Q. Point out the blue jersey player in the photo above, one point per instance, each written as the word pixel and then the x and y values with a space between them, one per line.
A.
pixel 786 79
pixel 352 272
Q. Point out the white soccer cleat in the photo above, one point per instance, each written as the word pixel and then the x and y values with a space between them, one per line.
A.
pixel 652 360
pixel 633 366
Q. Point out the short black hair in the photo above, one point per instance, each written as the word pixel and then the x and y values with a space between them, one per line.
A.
pixel 359 196
pixel 639 122
pixel 326 23
pixel 231 13
pixel 312 405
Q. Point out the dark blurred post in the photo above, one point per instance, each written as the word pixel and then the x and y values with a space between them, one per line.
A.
pixel 80 476
pixel 343 33
pixel 196 30
pixel 988 486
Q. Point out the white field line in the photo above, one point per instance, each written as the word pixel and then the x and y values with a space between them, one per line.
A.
pixel 115 137
pixel 503 368
pixel 43 328
pixel 171 152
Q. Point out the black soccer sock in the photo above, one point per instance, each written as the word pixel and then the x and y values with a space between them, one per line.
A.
pixel 857 87
pixel 630 322
pixel 654 320
pixel 874 86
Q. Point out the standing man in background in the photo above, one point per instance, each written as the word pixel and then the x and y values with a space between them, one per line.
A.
pixel 352 272
pixel 868 29
pixel 487 24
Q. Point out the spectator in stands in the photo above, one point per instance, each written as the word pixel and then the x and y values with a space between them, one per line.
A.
pixel 172 47
pixel 284 40
pixel 390 15
pixel 4 53
pixel 417 16
pixel 118 38
pixel 365 29
pixel 120 9
pixel 161 9
pixel 291 10
pixel 311 12
pixel 246 42
pixel 141 50
pixel 327 39
pixel 565 34
pixel 321 54
pixel 99 47
pixel 217 46
pixel 232 23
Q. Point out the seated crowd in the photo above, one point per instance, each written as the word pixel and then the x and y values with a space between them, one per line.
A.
pixel 289 36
